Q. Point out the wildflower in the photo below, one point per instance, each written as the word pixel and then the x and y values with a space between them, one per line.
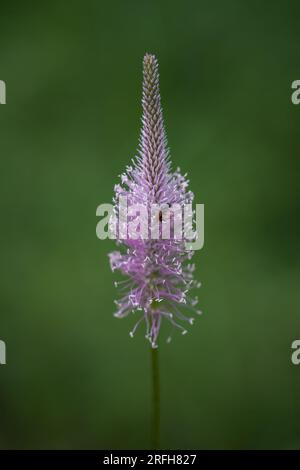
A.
pixel 159 272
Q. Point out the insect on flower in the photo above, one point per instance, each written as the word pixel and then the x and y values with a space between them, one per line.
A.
pixel 158 269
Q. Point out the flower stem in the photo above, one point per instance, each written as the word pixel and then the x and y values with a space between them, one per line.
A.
pixel 155 399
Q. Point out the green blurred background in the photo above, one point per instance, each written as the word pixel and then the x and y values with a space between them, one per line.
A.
pixel 74 378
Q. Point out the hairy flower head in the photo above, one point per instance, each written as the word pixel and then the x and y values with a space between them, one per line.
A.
pixel 159 273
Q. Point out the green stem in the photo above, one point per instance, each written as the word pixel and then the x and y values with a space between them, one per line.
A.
pixel 155 399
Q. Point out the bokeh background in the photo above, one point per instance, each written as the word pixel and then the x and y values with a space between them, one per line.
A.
pixel 74 378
